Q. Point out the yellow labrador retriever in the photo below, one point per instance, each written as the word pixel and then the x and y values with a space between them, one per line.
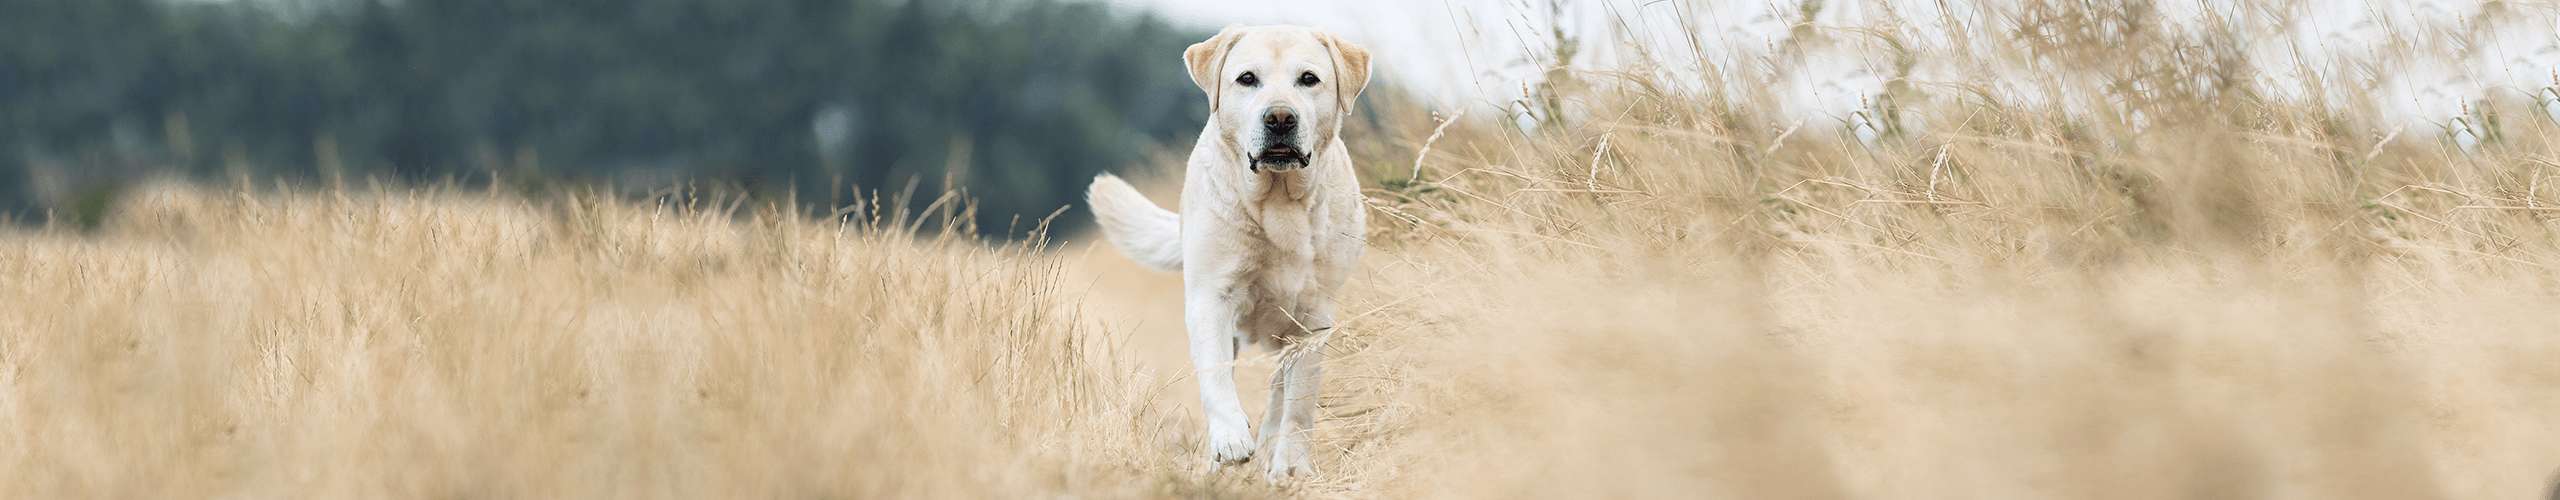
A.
pixel 1272 222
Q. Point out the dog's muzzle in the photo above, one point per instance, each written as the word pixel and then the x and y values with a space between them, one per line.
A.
pixel 1279 153
pixel 1277 158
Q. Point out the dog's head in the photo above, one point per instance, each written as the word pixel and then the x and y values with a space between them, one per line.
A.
pixel 1278 93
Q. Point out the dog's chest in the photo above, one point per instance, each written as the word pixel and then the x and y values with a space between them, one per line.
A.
pixel 1287 222
pixel 1289 228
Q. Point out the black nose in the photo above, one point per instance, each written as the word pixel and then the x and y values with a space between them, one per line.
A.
pixel 1280 120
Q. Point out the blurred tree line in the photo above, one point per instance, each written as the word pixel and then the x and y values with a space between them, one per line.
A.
pixel 1020 101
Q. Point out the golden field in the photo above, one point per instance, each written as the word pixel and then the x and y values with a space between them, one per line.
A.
pixel 1672 294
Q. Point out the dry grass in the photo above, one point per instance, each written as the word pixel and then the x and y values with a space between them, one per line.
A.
pixel 1669 294
pixel 369 345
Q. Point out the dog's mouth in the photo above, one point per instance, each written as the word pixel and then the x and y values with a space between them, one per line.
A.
pixel 1277 158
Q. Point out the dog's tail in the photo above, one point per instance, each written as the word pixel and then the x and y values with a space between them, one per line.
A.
pixel 1149 234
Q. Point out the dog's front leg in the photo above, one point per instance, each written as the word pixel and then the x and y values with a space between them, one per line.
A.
pixel 1289 424
pixel 1212 317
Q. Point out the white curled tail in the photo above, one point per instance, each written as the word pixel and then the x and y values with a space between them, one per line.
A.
pixel 1146 233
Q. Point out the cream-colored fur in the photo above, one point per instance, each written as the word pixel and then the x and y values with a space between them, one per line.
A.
pixel 1262 243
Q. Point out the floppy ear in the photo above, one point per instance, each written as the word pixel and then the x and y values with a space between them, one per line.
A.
pixel 1350 70
pixel 1208 57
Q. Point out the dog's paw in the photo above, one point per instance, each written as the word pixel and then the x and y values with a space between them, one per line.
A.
pixel 1230 446
pixel 1287 459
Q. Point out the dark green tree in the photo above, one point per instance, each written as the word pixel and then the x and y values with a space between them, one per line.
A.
pixel 1018 100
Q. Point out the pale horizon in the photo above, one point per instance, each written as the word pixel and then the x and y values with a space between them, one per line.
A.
pixel 1456 51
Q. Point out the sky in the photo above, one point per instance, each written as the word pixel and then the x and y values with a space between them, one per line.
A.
pixel 1468 51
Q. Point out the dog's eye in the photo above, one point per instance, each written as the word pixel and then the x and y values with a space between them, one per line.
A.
pixel 1248 80
pixel 1308 79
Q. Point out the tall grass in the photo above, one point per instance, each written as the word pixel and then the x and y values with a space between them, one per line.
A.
pixel 2163 281
pixel 1664 288
pixel 369 344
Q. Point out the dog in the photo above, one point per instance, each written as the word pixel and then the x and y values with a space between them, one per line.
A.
pixel 1272 223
